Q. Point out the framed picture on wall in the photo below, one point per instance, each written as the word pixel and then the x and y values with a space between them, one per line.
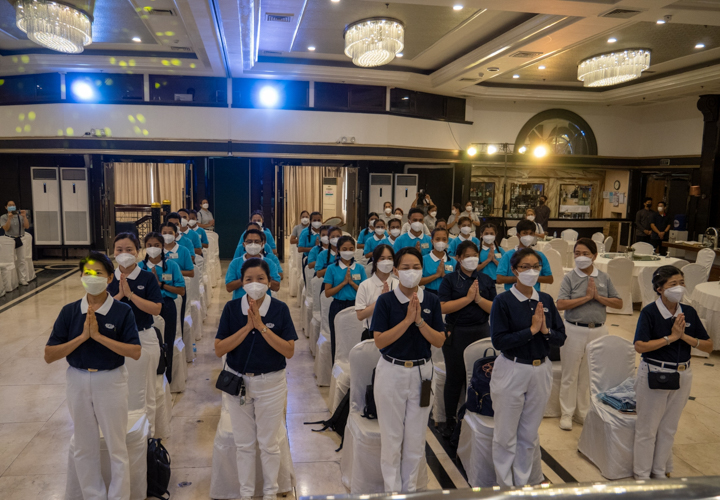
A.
pixel 524 196
pixel 482 195
pixel 575 201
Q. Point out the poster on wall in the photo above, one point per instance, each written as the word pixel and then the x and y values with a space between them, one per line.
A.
pixel 575 199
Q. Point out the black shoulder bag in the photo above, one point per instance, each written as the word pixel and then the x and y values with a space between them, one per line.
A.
pixel 664 381
pixel 229 382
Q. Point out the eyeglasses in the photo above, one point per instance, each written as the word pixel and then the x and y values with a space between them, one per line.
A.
pixel 525 267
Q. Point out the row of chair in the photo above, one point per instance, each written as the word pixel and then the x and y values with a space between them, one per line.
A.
pixel 9 280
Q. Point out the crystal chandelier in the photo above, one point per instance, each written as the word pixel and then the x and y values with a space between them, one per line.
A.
pixel 54 25
pixel 613 68
pixel 375 41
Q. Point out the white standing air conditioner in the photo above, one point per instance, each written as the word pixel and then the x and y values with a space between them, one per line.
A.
pixel 75 206
pixel 380 191
pixel 332 201
pixel 46 205
pixel 405 191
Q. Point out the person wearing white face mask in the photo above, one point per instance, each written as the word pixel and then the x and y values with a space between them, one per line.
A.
pixel 415 237
pixel 96 334
pixel 258 336
pixel 530 215
pixel 452 222
pixel 381 281
pixel 393 232
pixel 297 230
pixel 184 241
pixel 265 250
pixel 387 214
pixel 309 235
pixel 327 257
pixel 185 229
pixel 14 223
pixel 205 217
pixel 253 245
pixel 431 217
pixel 174 251
pixel 341 283
pixel 505 276
pixel 323 243
pixel 369 231
pixel 469 212
pixel 660 228
pixel 437 263
pixel 666 332
pixel 373 240
pixel 466 296
pixel 490 252
pixel 585 294
pixel 406 322
pixel 193 223
pixel 467 233
pixel 524 324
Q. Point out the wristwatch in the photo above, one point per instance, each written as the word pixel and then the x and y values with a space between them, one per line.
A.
pixel 263 330
pixel 667 339
pixel 420 323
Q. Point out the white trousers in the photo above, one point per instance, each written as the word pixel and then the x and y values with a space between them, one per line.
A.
pixel 259 423
pixel 403 423
pixel 98 401
pixel 575 385
pixel 150 348
pixel 519 394
pixel 21 265
pixel 658 415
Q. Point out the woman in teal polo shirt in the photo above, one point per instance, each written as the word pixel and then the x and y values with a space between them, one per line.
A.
pixel 437 262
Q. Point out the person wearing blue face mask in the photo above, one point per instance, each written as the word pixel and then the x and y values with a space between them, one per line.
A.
pixel 14 224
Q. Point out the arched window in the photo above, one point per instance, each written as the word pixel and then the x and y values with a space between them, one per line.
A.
pixel 561 131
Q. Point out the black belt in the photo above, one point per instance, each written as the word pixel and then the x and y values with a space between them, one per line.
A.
pixel 406 364
pixel 534 362
pixel 681 367
pixel 586 325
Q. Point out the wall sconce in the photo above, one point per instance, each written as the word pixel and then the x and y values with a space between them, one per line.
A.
pixel 695 191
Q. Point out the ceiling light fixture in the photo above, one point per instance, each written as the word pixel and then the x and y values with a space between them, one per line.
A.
pixel 269 97
pixel 457 7
pixel 54 25
pixel 311 48
pixel 612 40
pixel 374 41
pixel 472 151
pixel 700 46
pixel 335 1
pixel 522 150
pixel 540 151
pixel 541 67
pixel 613 68
pixel 399 54
pixel 492 149
pixel 136 39
pixel 82 90
pixel 660 21
pixel 516 76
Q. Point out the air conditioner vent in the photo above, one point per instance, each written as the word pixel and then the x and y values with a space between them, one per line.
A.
pixel 279 18
pixel 523 54
pixel 621 13
pixel 468 79
pixel 181 49
pixel 161 12
pixel 271 52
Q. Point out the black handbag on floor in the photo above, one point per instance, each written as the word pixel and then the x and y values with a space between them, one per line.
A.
pixel 158 470
pixel 229 382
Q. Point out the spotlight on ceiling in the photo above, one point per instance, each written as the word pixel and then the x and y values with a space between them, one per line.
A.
pixel 457 6
pixel 335 1
pixel 540 151
pixel 522 150
pixel 399 54
pixel 311 48
pixel 612 40
pixel 82 90
pixel 136 39
pixel 472 151
pixel 491 149
pixel 541 67
pixel 700 46
pixel 269 97
pixel 516 76
pixel 660 21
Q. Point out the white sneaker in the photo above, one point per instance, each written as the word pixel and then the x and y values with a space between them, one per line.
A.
pixel 24 283
pixel 566 423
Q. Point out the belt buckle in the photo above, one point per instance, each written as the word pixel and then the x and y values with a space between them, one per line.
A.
pixel 537 362
pixel 409 364
pixel 93 370
pixel 681 368
pixel 591 325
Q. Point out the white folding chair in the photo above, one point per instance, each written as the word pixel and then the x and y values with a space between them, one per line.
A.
pixel 705 258
pixel 608 436
pixel 680 263
pixel 513 241
pixel 7 264
pixel 646 288
pixel 162 393
pixel 306 301
pixel 512 231
pixel 608 244
pixel 598 237
pixel 476 434
pixel 620 271
pixel 360 462
pixel 643 248
pixel 292 274
pixel 569 235
pixel 368 269
pixel 323 353
pixel 438 385
pixel 556 266
pixel 564 249
pixel 27 240
pixel 694 275
pixel 348 332
pixel 313 331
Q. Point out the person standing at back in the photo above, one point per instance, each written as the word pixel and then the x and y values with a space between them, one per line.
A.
pixel 660 228
pixel 387 214
pixel 304 224
pixel 542 212
pixel 643 221
pixel 205 217
pixel 14 226
pixel 184 228
pixel 431 218
pixel 453 222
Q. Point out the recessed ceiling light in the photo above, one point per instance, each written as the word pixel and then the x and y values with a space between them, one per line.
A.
pixel 541 67
pixel 457 6
pixel 700 46
pixel 516 76
pixel 311 48
pixel 612 40
pixel 660 21
pixel 335 1
pixel 493 69
pixel 399 54
pixel 136 39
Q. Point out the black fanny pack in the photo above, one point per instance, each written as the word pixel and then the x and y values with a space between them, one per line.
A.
pixel 18 242
pixel 664 381
pixel 229 382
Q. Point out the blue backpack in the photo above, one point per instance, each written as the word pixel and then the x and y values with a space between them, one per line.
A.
pixel 478 395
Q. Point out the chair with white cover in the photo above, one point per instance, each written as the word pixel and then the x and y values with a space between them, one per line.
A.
pixel 306 302
pixel 224 481
pixel 27 240
pixel 513 241
pixel 438 385
pixel 643 248
pixel 179 364
pixel 368 269
pixel 348 332
pixel 569 235
pixel 476 434
pixel 138 433
pixel 193 307
pixel 316 285
pixel 680 263
pixel 556 266
pixel 7 264
pixel 620 271
pixel 552 408
pixel 694 275
pixel 564 248
pixel 608 436
pixel 512 232
pixel 705 258
pixel 163 410
pixel 360 462
pixel 323 353
pixel 598 237
pixel 608 244
pixel 646 288
pixel 292 275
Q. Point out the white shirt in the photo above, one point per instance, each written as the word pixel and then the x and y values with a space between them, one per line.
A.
pixel 131 276
pixel 103 309
pixel 369 290
pixel 593 274
pixel 403 299
pixel 664 310
pixel 245 305
pixel 437 259
pixel 521 297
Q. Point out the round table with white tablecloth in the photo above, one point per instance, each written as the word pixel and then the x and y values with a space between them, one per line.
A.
pixel 706 300
pixel 602 262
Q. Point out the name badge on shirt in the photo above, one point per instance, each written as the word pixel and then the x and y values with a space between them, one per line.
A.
pixel 498 255
pixel 173 255
pixel 448 267
pixel 424 245
pixel 355 276
pixel 167 277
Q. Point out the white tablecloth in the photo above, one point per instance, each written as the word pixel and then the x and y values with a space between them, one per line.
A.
pixel 706 300
pixel 602 263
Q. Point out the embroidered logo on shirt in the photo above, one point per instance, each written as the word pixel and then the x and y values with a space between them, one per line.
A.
pixel 426 311
pixel 687 325
pixel 109 326
pixel 141 287
pixel 546 309
pixel 270 325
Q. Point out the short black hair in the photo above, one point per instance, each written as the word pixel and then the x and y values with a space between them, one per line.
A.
pixel 414 211
pixel 250 263
pixel 518 256
pixel 664 204
pixel 405 251
pixel 314 214
pixel 439 220
pixel 398 221
pixel 323 228
pixel 192 212
pixel 247 226
pixel 371 214
pixel 382 221
pixel 94 256
pixel 542 196
pixel 377 253
pixel 173 215
pixel 332 229
pixel 439 230
pixel 462 247
pixel 458 206
pixel 254 231
pixel 464 218
pixel 258 212
pixel 525 225
pixel 587 242
pixel 646 199
pixel 128 236
pixel 170 225
pixel 183 210
pixel 663 274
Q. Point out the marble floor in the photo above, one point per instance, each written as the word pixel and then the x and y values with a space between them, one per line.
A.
pixel 35 427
